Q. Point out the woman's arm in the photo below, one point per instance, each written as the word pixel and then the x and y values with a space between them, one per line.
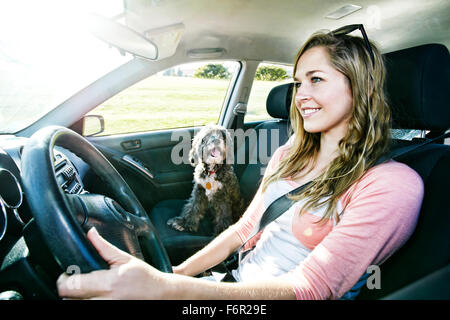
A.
pixel 181 287
pixel 214 253
pixel 131 278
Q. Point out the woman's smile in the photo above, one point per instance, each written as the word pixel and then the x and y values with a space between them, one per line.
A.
pixel 309 112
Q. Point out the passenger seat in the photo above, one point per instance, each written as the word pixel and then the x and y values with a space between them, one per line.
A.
pixel 267 137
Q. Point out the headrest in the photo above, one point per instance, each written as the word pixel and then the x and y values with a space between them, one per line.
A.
pixel 279 101
pixel 417 84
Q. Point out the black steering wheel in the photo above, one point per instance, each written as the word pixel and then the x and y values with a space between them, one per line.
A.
pixel 63 219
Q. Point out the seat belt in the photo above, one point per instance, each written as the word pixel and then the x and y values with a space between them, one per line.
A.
pixel 274 210
pixel 239 111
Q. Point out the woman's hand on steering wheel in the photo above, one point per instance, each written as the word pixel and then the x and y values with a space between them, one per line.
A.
pixel 127 278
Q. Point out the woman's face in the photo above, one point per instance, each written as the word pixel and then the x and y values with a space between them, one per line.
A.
pixel 324 96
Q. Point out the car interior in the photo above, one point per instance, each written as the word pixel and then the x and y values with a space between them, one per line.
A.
pixel 51 164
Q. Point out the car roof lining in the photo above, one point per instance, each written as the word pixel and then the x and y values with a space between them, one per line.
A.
pixel 278 28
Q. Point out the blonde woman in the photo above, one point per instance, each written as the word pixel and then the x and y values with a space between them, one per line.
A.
pixel 355 213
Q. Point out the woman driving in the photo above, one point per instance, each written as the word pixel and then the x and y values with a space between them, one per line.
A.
pixel 354 213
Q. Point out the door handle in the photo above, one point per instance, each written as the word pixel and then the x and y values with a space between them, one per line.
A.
pixel 131 144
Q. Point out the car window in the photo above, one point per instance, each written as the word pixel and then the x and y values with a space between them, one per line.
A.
pixel 267 76
pixel 183 96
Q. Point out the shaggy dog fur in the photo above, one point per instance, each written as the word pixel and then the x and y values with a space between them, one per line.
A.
pixel 216 187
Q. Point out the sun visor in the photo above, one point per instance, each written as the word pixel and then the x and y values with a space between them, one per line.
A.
pixel 153 44
pixel 166 39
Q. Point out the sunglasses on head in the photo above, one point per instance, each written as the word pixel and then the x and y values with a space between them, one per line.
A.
pixel 350 28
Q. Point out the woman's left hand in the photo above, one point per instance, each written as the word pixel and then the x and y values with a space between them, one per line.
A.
pixel 127 278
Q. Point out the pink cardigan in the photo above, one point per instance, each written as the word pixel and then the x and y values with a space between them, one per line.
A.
pixel 381 212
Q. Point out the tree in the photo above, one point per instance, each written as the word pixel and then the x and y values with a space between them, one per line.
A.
pixel 212 71
pixel 271 73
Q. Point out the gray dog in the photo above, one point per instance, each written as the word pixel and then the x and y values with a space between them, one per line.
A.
pixel 216 186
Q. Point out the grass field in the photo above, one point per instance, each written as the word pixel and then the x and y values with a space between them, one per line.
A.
pixel 164 102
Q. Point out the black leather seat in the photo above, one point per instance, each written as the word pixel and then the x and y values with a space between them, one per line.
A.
pixel 417 84
pixel 250 161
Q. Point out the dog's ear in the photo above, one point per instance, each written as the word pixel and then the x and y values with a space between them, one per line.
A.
pixel 193 157
pixel 195 152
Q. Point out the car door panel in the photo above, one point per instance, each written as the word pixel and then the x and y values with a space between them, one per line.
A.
pixel 149 166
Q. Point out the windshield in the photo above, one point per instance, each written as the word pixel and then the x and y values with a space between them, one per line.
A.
pixel 47 54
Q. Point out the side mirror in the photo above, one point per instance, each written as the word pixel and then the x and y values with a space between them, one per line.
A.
pixel 93 125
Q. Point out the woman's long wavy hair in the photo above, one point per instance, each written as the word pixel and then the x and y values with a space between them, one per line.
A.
pixel 368 134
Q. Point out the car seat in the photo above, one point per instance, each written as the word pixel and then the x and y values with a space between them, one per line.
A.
pixel 418 89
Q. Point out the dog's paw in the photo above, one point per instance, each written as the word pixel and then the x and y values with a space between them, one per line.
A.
pixel 175 223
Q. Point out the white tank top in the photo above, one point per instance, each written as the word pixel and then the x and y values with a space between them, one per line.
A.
pixel 277 251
